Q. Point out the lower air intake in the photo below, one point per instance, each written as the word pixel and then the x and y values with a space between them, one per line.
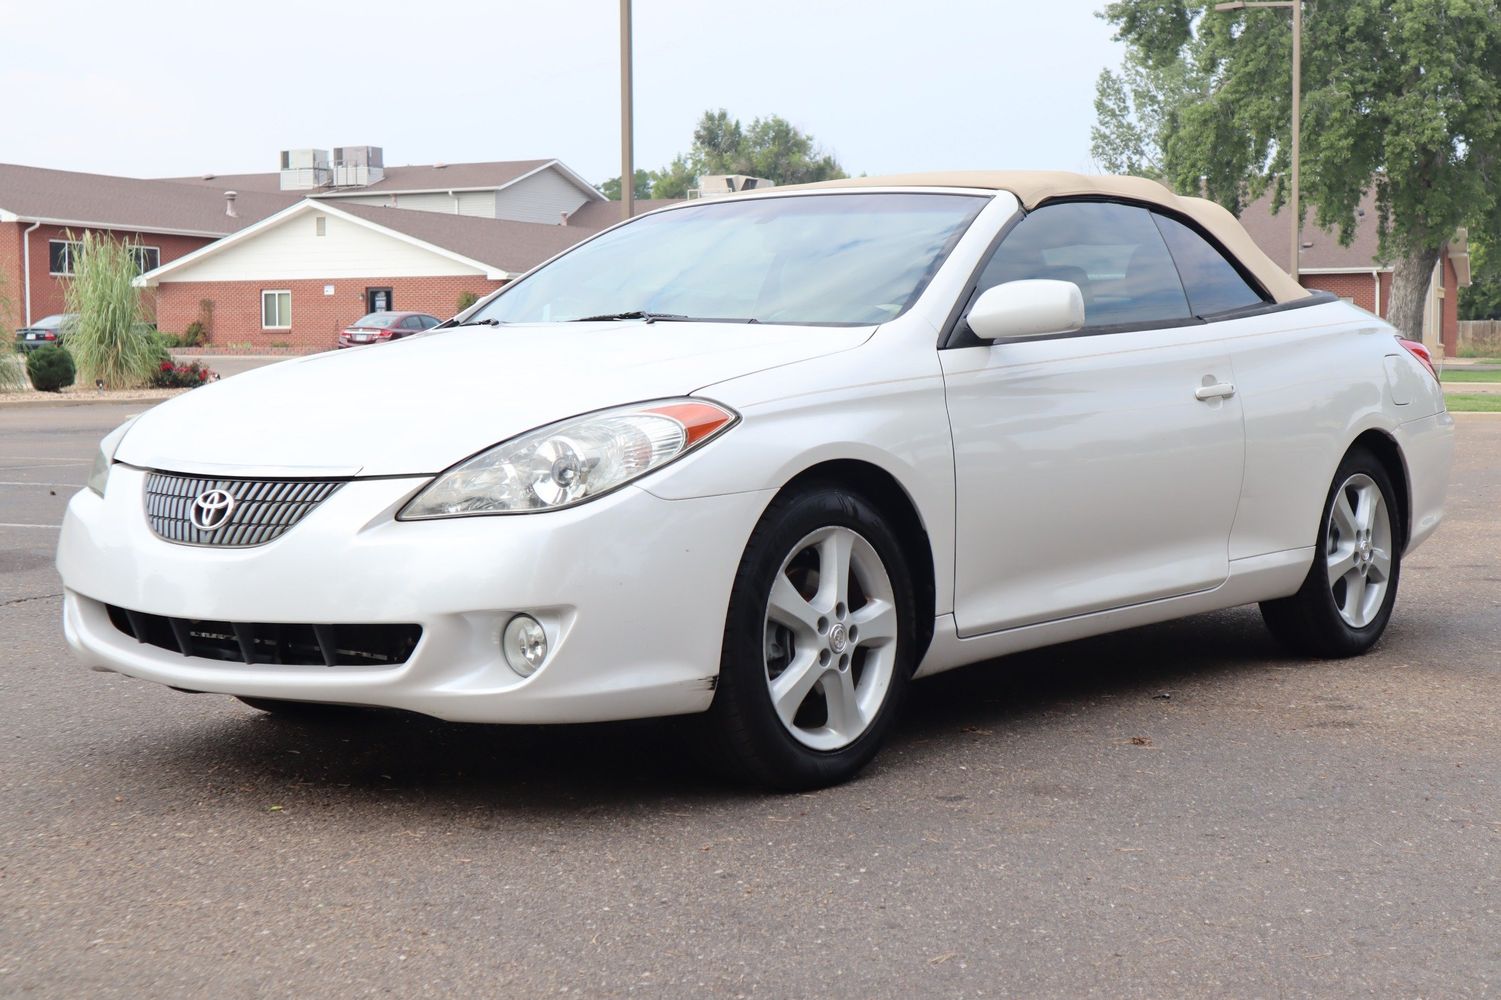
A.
pixel 275 644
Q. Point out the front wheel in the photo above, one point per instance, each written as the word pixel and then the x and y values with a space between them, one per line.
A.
pixel 1346 600
pixel 818 642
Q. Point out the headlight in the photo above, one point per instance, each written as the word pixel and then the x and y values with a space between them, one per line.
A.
pixel 105 457
pixel 571 462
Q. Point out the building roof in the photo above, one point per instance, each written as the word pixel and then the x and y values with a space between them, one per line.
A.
pixel 419 177
pixel 65 197
pixel 1033 187
pixel 513 247
pixel 597 215
pixel 500 248
pixel 1321 249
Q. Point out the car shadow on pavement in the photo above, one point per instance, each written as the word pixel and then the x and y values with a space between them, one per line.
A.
pixel 600 770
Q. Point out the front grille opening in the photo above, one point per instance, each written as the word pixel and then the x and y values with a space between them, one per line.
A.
pixel 277 644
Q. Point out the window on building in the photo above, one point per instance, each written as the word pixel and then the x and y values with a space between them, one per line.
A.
pixel 320 225
pixel 1212 282
pixel 61 255
pixel 1114 253
pixel 276 310
pixel 146 258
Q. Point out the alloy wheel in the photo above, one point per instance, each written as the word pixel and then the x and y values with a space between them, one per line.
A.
pixel 1358 550
pixel 830 638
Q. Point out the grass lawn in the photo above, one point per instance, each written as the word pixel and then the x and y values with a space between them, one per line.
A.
pixel 1463 375
pixel 1473 402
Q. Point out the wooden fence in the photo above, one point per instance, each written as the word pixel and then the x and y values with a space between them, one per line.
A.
pixel 1480 338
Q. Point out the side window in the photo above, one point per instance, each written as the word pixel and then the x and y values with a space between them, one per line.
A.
pixel 1212 282
pixel 1114 253
pixel 412 323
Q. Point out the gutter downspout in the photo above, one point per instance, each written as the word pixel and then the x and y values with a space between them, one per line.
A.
pixel 1376 277
pixel 26 267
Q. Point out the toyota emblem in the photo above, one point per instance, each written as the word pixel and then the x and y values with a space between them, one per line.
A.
pixel 211 510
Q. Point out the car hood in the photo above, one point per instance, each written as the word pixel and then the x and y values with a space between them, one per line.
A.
pixel 418 405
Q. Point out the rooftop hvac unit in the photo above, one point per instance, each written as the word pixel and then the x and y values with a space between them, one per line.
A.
pixel 718 185
pixel 357 166
pixel 304 169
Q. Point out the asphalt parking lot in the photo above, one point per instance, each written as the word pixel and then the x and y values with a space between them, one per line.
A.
pixel 1180 810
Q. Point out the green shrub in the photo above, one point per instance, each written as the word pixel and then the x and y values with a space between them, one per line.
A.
pixel 193 335
pixel 109 340
pixel 466 299
pixel 50 369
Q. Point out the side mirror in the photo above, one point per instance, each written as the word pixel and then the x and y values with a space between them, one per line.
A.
pixel 1035 307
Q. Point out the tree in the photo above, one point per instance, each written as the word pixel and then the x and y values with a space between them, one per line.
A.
pixel 1135 113
pixel 771 147
pixel 611 188
pixel 1482 300
pixel 1398 94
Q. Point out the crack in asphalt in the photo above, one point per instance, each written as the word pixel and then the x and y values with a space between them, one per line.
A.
pixel 27 600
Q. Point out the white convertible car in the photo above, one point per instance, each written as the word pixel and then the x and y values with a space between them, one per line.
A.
pixel 772 457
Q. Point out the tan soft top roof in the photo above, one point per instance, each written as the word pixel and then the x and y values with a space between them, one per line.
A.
pixel 1033 187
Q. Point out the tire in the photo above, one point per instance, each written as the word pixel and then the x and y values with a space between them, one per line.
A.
pixel 311 711
pixel 793 638
pixel 1346 600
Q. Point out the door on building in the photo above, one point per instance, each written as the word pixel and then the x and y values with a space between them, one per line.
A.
pixel 378 300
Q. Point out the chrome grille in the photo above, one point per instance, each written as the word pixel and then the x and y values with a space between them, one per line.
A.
pixel 264 509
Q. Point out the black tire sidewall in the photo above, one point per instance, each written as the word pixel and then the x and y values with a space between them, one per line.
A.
pixel 1344 639
pixel 743 713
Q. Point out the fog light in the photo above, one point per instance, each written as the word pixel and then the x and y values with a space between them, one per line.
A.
pixel 524 644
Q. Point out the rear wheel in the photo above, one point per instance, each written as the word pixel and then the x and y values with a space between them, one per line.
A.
pixel 1347 598
pixel 818 642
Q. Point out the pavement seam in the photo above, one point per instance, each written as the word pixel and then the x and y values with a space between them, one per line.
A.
pixel 27 600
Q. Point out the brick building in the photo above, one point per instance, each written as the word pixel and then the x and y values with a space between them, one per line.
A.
pixel 295 279
pixel 409 237
pixel 43 212
pixel 1355 272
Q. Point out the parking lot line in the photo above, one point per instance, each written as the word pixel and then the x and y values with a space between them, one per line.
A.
pixel 52 527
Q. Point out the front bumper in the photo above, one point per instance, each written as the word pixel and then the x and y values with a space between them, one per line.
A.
pixel 632 591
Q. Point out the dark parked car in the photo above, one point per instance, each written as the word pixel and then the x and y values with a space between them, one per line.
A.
pixel 379 327
pixel 47 331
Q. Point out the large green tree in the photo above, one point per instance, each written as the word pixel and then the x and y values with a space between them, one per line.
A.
pixel 770 147
pixel 611 188
pixel 1399 95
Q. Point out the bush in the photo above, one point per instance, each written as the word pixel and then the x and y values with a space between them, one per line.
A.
pixel 466 299
pixel 193 335
pixel 108 341
pixel 169 375
pixel 50 369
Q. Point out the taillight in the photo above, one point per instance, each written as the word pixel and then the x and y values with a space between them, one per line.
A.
pixel 49 335
pixel 386 334
pixel 1420 352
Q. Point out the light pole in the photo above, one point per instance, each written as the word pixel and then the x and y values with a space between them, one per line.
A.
pixel 1297 9
pixel 627 158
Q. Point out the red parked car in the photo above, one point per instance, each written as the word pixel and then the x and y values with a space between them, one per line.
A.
pixel 377 328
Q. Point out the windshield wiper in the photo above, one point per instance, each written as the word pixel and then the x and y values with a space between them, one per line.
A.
pixel 650 317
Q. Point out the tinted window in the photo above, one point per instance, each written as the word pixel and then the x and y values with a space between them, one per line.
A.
pixel 835 258
pixel 374 320
pixel 1114 253
pixel 428 322
pixel 1212 283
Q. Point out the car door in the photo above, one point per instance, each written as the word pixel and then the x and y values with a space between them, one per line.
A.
pixel 1097 469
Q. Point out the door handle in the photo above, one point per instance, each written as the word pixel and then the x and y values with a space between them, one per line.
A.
pixel 1218 390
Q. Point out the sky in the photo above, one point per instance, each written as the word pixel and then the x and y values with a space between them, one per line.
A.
pixel 170 88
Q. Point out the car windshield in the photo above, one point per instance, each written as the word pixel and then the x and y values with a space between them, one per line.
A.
pixel 375 320
pixel 836 259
